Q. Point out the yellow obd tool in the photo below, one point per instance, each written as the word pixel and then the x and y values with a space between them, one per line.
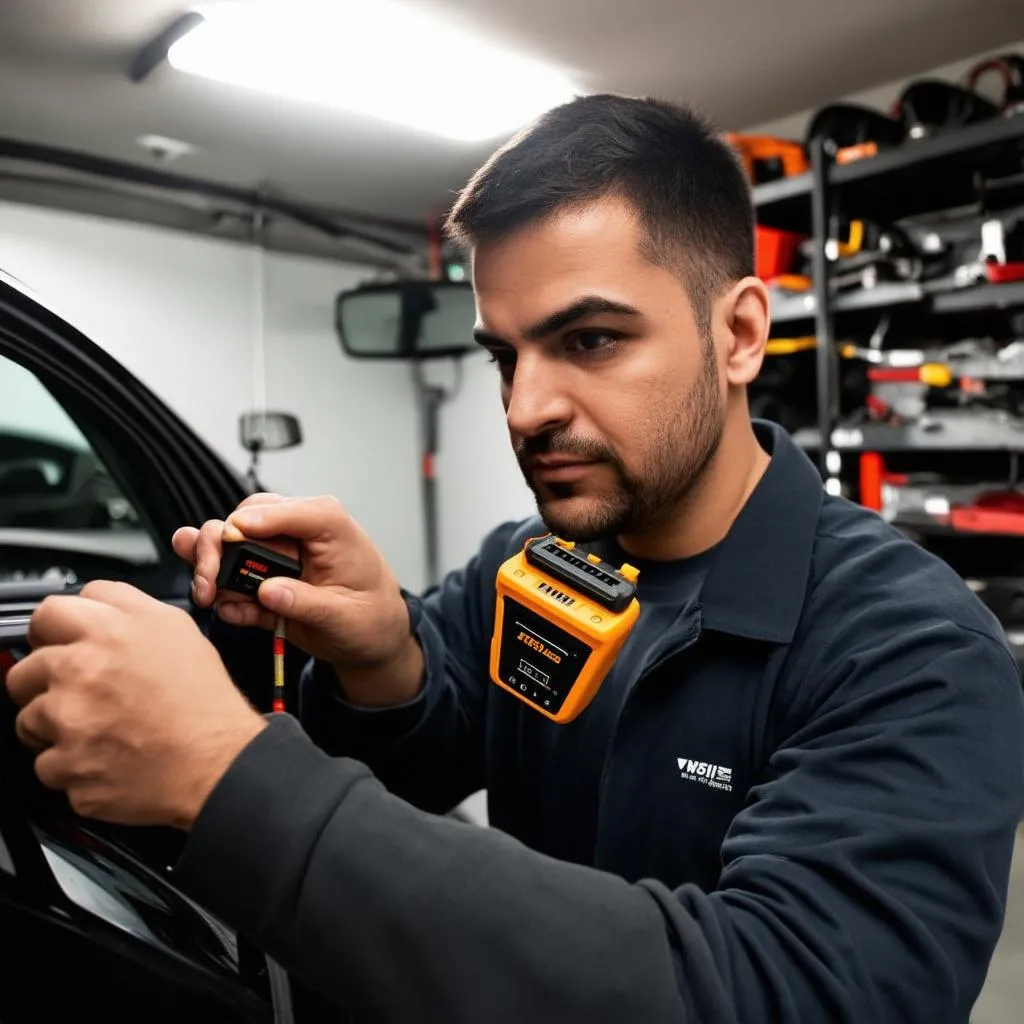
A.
pixel 561 620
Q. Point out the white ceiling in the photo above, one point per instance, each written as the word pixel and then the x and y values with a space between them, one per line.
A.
pixel 63 78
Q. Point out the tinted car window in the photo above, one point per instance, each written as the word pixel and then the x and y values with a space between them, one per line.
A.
pixel 6 862
pixel 63 511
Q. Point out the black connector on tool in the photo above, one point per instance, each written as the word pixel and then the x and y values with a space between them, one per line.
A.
pixel 245 565
pixel 594 579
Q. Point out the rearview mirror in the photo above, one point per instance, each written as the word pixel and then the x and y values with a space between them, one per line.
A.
pixel 407 320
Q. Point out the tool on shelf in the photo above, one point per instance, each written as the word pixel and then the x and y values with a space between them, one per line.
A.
pixel 1009 68
pixel 768 158
pixel 929 106
pixel 855 131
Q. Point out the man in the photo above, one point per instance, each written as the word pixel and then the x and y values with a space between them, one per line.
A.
pixel 858 710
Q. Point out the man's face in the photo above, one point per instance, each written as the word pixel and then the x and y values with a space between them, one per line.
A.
pixel 612 395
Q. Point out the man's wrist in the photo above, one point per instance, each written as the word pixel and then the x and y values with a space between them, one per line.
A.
pixel 384 684
pixel 210 768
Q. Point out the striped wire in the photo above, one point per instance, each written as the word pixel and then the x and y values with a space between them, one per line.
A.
pixel 279 637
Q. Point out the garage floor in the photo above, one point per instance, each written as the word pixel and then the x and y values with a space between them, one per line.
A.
pixel 1002 998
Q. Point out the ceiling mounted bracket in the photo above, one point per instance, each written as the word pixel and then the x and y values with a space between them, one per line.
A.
pixel 154 53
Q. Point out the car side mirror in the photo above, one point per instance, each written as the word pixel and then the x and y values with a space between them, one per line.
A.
pixel 267 431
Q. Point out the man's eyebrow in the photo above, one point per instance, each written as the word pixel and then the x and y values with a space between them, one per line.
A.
pixel 589 305
pixel 485 338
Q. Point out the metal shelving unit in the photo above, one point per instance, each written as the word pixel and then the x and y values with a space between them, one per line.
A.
pixel 951 431
pixel 949 159
pixel 986 296
pixel 809 439
pixel 921 176
pixel 921 524
pixel 785 203
pixel 918 179
pixel 827 365
pixel 791 309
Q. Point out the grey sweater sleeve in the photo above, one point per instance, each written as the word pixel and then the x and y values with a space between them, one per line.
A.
pixel 864 880
pixel 398 915
pixel 430 750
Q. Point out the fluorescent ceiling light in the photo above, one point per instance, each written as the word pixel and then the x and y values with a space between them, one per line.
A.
pixel 380 58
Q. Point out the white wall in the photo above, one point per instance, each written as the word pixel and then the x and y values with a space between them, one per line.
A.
pixel 179 312
pixel 480 482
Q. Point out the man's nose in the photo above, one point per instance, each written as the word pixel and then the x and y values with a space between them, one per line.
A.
pixel 538 401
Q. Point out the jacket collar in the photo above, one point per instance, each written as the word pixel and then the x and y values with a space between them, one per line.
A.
pixel 756 581
pixel 757 584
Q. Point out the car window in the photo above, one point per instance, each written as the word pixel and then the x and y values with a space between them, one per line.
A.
pixel 6 862
pixel 64 512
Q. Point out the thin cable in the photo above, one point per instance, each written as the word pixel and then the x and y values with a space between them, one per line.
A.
pixel 259 303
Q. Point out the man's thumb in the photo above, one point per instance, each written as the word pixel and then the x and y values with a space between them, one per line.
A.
pixel 295 599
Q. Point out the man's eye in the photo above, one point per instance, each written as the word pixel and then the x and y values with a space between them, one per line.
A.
pixel 592 341
pixel 505 361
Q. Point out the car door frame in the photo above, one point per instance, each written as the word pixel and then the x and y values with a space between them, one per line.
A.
pixel 107 401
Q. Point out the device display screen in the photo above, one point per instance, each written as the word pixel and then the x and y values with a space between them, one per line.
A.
pixel 537 658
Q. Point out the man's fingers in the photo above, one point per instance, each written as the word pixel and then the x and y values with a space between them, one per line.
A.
pixel 264 498
pixel 63 619
pixel 31 676
pixel 307 519
pixel 116 594
pixel 34 727
pixel 184 543
pixel 185 540
pixel 245 613
pixel 297 600
pixel 204 548
pixel 232 534
pixel 207 562
pixel 53 769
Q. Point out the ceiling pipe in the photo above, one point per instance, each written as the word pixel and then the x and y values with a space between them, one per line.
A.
pixel 115 169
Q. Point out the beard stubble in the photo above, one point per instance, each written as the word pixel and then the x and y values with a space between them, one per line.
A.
pixel 678 454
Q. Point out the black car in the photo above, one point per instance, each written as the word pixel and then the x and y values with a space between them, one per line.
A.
pixel 96 473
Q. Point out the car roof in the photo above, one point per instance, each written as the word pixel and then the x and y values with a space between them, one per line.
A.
pixel 8 279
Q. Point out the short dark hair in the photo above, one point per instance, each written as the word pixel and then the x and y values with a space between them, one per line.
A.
pixel 686 183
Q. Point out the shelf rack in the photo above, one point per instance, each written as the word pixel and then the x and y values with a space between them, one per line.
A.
pixel 949 161
pixel 921 176
pixel 791 310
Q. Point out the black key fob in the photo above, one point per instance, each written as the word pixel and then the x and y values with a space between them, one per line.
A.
pixel 245 565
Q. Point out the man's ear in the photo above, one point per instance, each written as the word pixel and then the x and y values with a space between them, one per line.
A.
pixel 745 320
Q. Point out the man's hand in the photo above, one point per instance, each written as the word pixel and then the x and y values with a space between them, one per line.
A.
pixel 347 609
pixel 129 705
